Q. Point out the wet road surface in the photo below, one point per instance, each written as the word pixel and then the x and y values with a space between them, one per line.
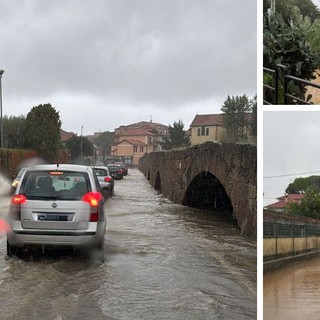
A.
pixel 162 261
pixel 293 292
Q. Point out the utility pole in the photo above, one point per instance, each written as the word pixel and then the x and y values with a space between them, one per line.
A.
pixel 81 146
pixel 1 119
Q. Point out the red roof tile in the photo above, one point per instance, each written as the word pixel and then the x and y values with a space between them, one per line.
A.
pixel 133 142
pixel 207 120
pixel 65 136
pixel 292 196
pixel 283 202
pixel 135 132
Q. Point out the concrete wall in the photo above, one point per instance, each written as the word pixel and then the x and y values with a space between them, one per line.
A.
pixel 234 165
pixel 289 246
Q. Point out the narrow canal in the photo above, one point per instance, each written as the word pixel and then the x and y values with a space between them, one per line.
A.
pixel 162 261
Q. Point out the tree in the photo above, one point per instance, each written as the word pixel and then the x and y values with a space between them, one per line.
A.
pixel 309 205
pixel 177 138
pixel 301 185
pixel 286 44
pixel 14 132
pixel 79 146
pixel 236 121
pixel 104 141
pixel 42 131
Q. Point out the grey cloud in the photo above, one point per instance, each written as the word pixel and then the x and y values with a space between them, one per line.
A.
pixel 164 53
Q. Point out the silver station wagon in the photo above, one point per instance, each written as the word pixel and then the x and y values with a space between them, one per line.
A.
pixel 56 205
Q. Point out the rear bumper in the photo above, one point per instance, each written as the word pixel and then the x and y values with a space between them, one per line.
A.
pixel 19 237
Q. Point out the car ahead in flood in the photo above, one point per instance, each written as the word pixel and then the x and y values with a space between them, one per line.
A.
pixel 123 167
pixel 105 180
pixel 59 206
pixel 115 171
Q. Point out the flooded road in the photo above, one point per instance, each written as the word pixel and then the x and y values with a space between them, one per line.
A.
pixel 293 292
pixel 162 261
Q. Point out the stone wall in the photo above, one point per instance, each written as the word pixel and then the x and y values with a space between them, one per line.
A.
pixel 234 165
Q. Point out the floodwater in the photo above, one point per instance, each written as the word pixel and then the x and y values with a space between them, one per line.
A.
pixel 293 292
pixel 162 261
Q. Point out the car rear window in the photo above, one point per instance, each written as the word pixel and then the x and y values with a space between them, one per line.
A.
pixel 68 185
pixel 114 167
pixel 101 172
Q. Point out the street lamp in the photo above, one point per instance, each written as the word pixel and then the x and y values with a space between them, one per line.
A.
pixel 1 120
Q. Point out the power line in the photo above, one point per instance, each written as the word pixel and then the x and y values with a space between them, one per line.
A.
pixel 290 174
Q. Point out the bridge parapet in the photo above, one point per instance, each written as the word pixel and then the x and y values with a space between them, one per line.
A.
pixel 225 170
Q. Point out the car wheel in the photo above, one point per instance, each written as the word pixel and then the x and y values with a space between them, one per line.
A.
pixel 105 194
pixel 12 251
pixel 97 253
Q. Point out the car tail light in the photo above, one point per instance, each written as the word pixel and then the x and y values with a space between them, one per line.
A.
pixel 18 199
pixel 93 198
pixel 107 179
pixel 15 208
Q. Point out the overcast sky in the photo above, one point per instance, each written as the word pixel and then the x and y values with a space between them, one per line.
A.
pixel 317 3
pixel 107 63
pixel 290 147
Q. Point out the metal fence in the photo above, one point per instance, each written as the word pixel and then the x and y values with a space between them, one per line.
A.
pixel 285 239
pixel 281 78
pixel 278 229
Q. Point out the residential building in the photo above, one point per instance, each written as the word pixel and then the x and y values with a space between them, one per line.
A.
pixel 132 141
pixel 284 201
pixel 209 127
pixel 206 127
pixel 65 136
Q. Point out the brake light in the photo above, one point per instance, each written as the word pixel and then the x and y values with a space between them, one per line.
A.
pixel 107 179
pixel 15 209
pixel 92 198
pixel 18 199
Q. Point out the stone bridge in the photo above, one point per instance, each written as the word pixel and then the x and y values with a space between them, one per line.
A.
pixel 212 175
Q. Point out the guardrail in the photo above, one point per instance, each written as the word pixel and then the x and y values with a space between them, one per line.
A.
pixel 278 80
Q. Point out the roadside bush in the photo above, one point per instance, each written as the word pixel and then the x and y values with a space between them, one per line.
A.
pixel 286 44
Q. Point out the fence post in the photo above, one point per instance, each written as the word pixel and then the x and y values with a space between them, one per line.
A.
pixel 306 236
pixel 285 82
pixel 292 230
pixel 276 86
pixel 276 233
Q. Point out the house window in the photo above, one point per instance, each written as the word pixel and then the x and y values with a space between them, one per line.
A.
pixel 141 149
pixel 203 131
pixel 199 131
pixel 135 149
pixel 207 131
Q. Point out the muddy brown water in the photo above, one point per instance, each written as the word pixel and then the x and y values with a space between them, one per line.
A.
pixel 292 292
pixel 162 261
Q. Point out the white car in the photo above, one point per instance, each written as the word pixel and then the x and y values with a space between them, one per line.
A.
pixel 56 205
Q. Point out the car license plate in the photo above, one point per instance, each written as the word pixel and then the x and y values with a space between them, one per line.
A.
pixel 52 217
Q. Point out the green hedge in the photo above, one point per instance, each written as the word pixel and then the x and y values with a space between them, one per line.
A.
pixel 11 159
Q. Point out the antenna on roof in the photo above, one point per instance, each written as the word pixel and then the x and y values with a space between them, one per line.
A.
pixel 151 118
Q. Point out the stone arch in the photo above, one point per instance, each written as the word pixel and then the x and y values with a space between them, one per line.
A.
pixel 148 175
pixel 205 191
pixel 157 183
